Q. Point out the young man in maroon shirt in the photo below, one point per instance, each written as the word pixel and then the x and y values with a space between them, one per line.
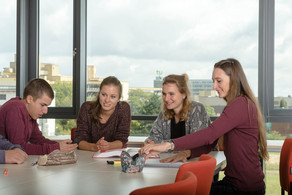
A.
pixel 18 120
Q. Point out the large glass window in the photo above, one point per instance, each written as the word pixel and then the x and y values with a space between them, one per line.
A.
pixel 283 50
pixel 7 50
pixel 56 48
pixel 140 42
pixel 56 60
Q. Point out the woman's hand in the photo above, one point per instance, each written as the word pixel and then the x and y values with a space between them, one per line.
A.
pixel 103 144
pixel 181 156
pixel 154 149
pixel 148 141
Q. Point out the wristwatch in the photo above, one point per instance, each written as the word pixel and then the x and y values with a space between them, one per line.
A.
pixel 171 145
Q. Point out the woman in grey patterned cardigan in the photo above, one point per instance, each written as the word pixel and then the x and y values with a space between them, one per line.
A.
pixel 179 116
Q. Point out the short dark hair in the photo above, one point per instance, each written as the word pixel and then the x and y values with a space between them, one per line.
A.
pixel 37 88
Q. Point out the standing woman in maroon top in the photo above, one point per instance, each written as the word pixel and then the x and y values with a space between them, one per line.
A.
pixel 242 126
pixel 105 123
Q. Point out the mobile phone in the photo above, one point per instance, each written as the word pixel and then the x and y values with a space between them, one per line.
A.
pixel 76 141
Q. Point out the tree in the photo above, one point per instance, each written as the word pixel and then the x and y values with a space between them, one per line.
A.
pixel 275 135
pixel 210 110
pixel 64 126
pixel 151 106
pixel 64 93
pixel 140 128
pixel 136 99
pixel 283 103
pixel 143 103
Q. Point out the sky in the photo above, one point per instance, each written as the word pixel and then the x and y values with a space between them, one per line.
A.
pixel 132 39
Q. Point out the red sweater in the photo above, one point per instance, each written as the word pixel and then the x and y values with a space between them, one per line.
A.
pixel 238 123
pixel 19 128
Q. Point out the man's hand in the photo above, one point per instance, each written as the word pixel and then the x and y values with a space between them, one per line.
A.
pixel 15 155
pixel 66 146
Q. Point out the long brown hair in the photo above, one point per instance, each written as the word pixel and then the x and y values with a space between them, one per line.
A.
pixel 239 87
pixel 95 109
pixel 182 83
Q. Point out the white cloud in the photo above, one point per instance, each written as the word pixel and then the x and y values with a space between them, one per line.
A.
pixel 132 39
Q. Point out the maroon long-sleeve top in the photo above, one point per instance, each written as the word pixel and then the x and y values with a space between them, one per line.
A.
pixel 238 123
pixel 19 128
pixel 116 128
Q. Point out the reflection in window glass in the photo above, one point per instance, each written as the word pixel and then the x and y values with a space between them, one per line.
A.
pixel 7 50
pixel 283 50
pixel 56 46
pixel 140 42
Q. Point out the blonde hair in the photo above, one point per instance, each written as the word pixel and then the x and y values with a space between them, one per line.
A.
pixel 182 83
pixel 239 87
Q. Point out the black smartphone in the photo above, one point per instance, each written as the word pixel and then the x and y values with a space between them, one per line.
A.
pixel 76 141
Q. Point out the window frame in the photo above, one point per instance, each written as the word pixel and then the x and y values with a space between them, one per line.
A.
pixel 28 60
pixel 28 53
pixel 267 64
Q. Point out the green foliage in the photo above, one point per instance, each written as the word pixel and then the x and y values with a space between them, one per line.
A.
pixel 140 128
pixel 136 99
pixel 150 106
pixel 272 174
pixel 64 126
pixel 210 110
pixel 283 103
pixel 64 93
pixel 275 135
pixel 143 103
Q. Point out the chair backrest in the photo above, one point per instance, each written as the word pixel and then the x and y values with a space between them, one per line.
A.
pixel 73 134
pixel 187 186
pixel 204 169
pixel 285 165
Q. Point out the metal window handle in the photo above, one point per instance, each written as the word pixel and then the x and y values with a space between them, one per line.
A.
pixel 74 52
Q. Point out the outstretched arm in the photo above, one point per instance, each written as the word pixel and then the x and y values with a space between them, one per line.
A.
pixel 153 149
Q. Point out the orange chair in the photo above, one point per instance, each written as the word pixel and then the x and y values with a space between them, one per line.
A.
pixel 285 166
pixel 204 170
pixel 73 133
pixel 187 186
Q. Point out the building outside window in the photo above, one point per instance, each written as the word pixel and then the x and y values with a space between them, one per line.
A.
pixel 142 42
pixel 7 50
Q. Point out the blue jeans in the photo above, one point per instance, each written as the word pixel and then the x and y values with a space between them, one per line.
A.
pixel 223 187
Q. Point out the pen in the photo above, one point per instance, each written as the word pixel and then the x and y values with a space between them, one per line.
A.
pixel 34 163
pixel 113 162
pixel 6 172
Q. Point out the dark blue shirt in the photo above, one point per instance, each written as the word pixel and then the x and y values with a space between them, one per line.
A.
pixel 6 145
